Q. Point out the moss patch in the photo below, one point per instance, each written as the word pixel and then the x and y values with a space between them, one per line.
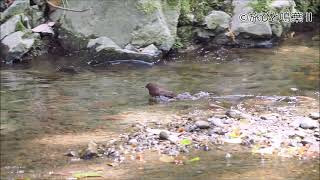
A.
pixel 147 6
pixel 20 26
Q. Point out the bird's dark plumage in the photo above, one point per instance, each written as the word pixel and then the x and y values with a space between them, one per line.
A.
pixel 155 90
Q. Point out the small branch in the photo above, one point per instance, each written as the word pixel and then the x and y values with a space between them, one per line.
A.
pixel 66 9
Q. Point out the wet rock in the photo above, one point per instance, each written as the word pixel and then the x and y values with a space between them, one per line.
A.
pixel 18 44
pixel 314 115
pixel 90 152
pixel 10 26
pixel 151 50
pixel 106 50
pixel 216 121
pixel 307 123
pixel 67 69
pixel 164 135
pixel 71 154
pixel 202 124
pixel 102 43
pixel 184 96
pixel 217 19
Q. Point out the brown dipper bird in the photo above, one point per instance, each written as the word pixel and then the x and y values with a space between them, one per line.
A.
pixel 155 90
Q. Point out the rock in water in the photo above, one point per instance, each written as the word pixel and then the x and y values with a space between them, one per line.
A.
pixel 18 44
pixel 90 152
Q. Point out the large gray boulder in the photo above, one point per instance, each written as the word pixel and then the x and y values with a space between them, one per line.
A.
pixel 140 23
pixel 17 7
pixel 17 44
pixel 10 26
pixel 217 19
pixel 255 29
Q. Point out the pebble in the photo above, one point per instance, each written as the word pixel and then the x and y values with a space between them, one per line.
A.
pixel 202 124
pixel 307 123
pixel 216 121
pixel 314 115
pixel 234 114
pixel 163 135
pixel 133 142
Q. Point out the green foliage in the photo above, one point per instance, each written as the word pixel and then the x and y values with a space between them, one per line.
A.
pixel 186 142
pixel 261 5
pixel 147 6
pixel 20 26
pixel 178 44
pixel 308 6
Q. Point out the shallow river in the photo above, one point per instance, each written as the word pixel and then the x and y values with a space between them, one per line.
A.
pixel 44 113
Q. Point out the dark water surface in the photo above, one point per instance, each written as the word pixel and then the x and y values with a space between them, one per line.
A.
pixel 43 113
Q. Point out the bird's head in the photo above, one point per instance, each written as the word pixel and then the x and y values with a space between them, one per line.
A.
pixel 151 86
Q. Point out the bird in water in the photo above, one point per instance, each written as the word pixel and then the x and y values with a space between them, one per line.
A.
pixel 155 90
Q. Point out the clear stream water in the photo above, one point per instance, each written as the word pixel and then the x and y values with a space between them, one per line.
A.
pixel 44 113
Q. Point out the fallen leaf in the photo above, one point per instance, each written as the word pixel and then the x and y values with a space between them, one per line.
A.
pixel 194 159
pixel 186 142
pixel 80 175
pixel 139 157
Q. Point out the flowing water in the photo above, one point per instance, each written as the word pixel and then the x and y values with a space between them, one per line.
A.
pixel 44 112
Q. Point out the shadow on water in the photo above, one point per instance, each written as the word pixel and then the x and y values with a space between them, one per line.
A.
pixel 45 112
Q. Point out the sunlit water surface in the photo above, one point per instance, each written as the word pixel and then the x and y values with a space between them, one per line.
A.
pixel 43 112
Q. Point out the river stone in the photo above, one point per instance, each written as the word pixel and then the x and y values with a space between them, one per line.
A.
pixel 216 121
pixel 18 44
pixel 307 123
pixel 217 19
pixel 202 124
pixel 90 152
pixel 234 114
pixel 9 26
pixel 17 7
pixel 164 135
pixel 255 29
pixel 151 50
pixel 102 43
pixel 141 22
pixel 314 115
